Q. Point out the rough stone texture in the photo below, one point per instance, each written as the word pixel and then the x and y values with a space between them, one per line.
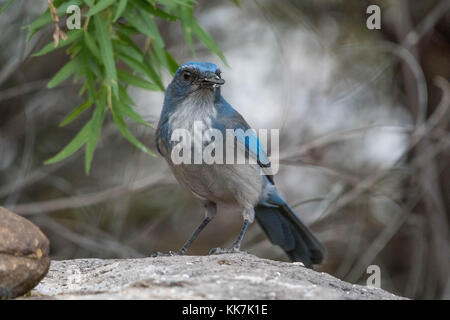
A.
pixel 227 276
pixel 24 255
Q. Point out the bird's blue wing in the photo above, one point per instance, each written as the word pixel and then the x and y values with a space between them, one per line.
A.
pixel 229 118
pixel 253 147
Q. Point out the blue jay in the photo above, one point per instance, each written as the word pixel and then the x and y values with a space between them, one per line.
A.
pixel 194 95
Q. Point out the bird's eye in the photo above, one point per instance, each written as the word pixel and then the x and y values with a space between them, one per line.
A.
pixel 187 75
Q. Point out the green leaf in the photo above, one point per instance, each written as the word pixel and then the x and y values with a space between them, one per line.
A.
pixel 166 59
pixel 154 11
pixel 133 63
pixel 172 64
pixel 94 135
pixel 106 51
pixel 136 20
pixel 186 3
pixel 121 125
pixel 158 41
pixel 126 29
pixel 101 5
pixel 145 25
pixel 6 6
pixel 128 111
pixel 153 75
pixel 208 41
pixel 128 48
pixel 74 49
pixel 75 113
pixel 73 145
pixel 89 74
pixel 136 81
pixel 133 115
pixel 143 68
pixel 187 18
pixel 161 55
pixel 91 45
pixel 120 9
pixel 124 97
pixel 83 89
pixel 237 3
pixel 153 60
pixel 65 72
pixel 71 37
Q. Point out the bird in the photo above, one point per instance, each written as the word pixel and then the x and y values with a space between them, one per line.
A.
pixel 194 96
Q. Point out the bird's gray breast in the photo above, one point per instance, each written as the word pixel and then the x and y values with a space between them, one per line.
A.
pixel 221 183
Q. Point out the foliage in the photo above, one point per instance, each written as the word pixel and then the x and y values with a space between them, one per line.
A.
pixel 107 37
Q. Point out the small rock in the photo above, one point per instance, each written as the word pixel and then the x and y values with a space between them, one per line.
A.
pixel 24 255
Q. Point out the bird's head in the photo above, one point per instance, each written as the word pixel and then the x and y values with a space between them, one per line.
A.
pixel 196 77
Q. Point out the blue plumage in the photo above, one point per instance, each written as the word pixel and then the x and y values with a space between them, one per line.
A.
pixel 194 97
pixel 231 119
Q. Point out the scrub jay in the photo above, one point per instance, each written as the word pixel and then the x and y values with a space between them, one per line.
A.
pixel 194 95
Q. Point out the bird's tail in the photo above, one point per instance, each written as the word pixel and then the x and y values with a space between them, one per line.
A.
pixel 285 229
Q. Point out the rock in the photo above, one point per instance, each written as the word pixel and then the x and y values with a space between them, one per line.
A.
pixel 24 255
pixel 227 276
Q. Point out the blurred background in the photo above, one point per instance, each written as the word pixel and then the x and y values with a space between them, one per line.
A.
pixel 364 139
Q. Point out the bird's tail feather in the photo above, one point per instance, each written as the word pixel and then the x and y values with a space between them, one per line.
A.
pixel 286 230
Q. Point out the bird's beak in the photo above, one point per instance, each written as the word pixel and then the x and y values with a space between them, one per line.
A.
pixel 213 80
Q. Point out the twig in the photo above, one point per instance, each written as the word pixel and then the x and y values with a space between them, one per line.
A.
pixel 418 135
pixel 87 199
pixel 439 10
pixel 339 135
pixel 58 33
pixel 22 89
pixel 97 244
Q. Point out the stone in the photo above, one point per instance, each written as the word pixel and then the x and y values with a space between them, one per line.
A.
pixel 224 276
pixel 24 255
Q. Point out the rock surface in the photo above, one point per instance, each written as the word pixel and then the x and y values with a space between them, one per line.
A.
pixel 227 276
pixel 24 255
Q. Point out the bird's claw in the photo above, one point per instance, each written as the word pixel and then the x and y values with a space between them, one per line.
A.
pixel 169 254
pixel 155 254
pixel 225 250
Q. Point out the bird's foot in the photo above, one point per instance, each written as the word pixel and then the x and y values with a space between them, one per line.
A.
pixel 155 254
pixel 169 254
pixel 226 250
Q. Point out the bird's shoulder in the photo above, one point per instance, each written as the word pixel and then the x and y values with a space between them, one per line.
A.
pixel 162 136
pixel 228 117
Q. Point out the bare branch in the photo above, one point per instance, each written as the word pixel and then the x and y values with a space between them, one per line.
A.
pixel 87 199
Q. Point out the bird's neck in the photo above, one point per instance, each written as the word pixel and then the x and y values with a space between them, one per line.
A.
pixel 184 110
pixel 200 98
pixel 198 106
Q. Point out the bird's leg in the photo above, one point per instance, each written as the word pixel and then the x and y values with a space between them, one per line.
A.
pixel 188 243
pixel 237 243
pixel 197 231
pixel 210 211
pixel 236 247
pixel 249 215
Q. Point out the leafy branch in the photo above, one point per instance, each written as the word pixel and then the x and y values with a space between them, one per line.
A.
pixel 108 35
